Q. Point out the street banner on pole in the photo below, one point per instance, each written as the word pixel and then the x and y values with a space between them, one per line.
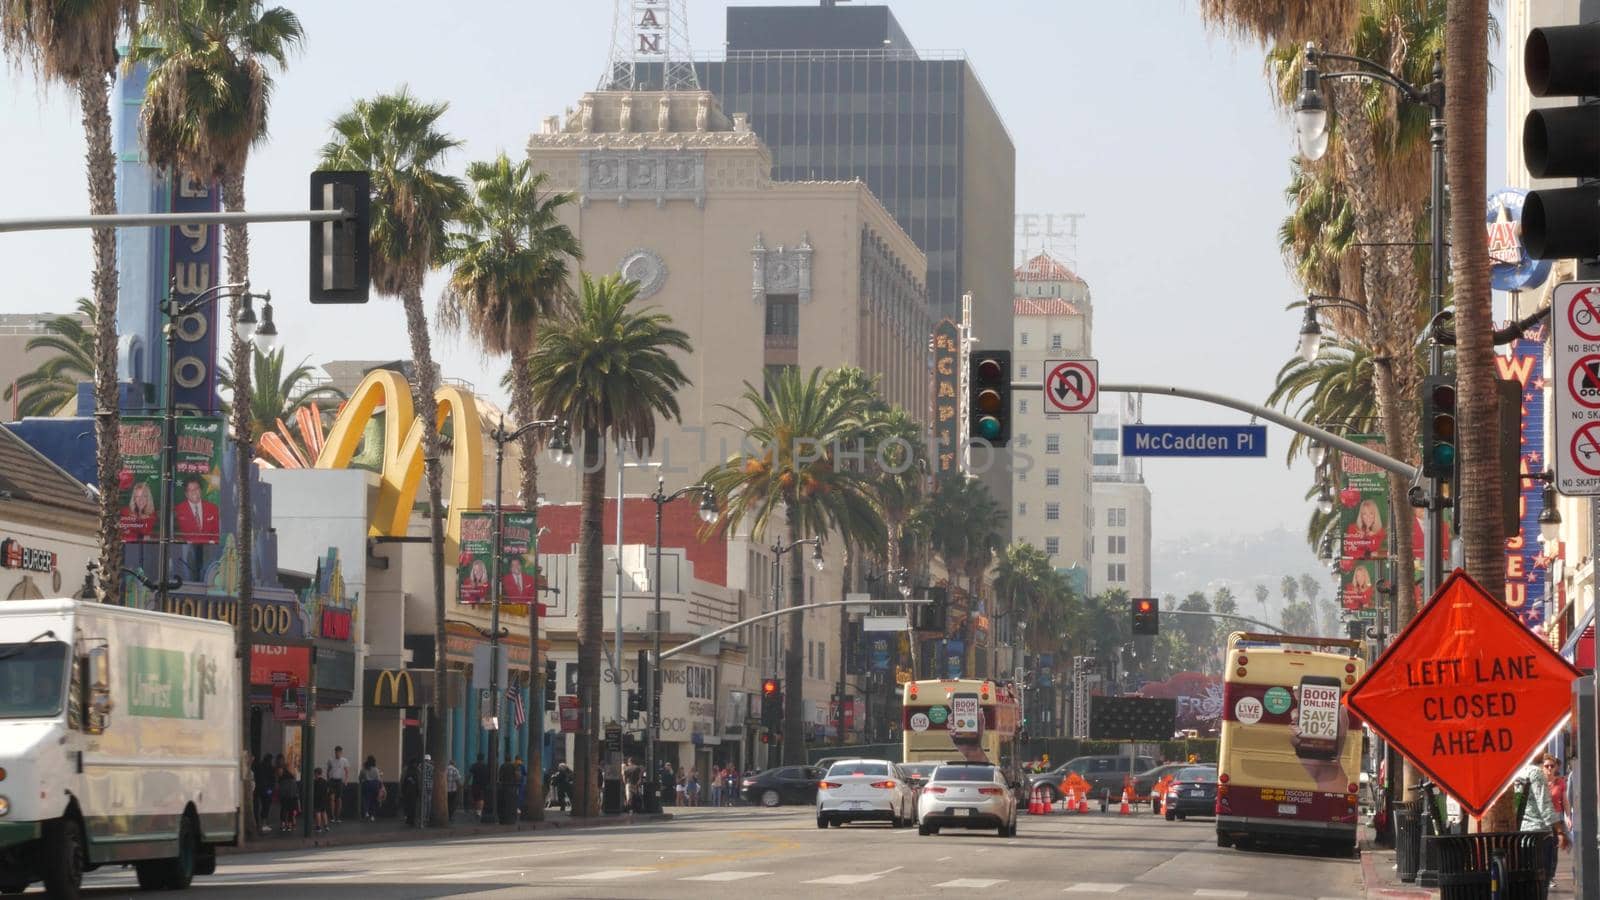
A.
pixel 1525 559
pixel 475 566
pixel 197 489
pixel 1363 525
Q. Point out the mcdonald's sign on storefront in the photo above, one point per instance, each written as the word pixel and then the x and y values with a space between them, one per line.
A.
pixel 398 688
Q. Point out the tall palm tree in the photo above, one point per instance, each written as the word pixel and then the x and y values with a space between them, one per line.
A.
pixel 509 256
pixel 53 385
pixel 75 42
pixel 1466 103
pixel 795 471
pixel 1262 593
pixel 606 368
pixel 396 138
pixel 277 394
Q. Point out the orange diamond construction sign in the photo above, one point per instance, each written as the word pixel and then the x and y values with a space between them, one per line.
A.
pixel 1467 693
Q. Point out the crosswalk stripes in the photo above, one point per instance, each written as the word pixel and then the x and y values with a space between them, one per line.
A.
pixel 606 875
pixel 971 883
pixel 843 879
pixel 725 876
pixel 1093 887
pixel 1211 892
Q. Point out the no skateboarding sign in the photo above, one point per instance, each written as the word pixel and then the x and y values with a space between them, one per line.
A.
pixel 1575 320
pixel 1072 385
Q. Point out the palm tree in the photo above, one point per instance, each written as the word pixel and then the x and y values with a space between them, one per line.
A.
pixel 1289 586
pixel 1262 593
pixel 509 259
pixel 278 394
pixel 605 367
pixel 74 42
pixel 795 471
pixel 53 386
pixel 396 138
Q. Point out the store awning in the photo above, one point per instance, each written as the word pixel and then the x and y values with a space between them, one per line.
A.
pixel 1579 649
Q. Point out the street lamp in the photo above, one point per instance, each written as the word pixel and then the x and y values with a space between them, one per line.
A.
pixel 173 310
pixel 1311 125
pixel 779 548
pixel 1318 454
pixel 1324 499
pixel 708 514
pixel 501 437
pixel 1311 329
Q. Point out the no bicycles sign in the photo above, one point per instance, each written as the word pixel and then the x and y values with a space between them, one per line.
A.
pixel 1575 320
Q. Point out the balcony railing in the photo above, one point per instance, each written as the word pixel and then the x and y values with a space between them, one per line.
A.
pixel 783 342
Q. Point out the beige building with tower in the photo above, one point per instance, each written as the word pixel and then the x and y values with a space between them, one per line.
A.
pixel 1051 485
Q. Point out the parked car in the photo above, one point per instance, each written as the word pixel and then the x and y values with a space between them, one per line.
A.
pixel 1144 783
pixel 856 790
pixel 967 795
pixel 785 784
pixel 1193 793
pixel 1104 773
pixel 918 774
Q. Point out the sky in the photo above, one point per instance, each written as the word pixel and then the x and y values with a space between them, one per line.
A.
pixel 1160 134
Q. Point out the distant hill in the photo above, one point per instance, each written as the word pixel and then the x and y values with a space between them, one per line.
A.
pixel 1205 562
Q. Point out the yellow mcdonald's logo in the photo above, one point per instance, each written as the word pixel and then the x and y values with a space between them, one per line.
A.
pixel 394 679
pixel 401 471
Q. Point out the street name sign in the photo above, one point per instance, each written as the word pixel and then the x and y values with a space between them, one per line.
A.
pixel 1466 692
pixel 1575 324
pixel 884 623
pixel 1072 385
pixel 1194 440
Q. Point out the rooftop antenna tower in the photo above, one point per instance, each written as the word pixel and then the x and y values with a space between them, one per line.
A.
pixel 650 40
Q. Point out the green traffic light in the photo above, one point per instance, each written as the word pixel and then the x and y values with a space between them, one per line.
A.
pixel 989 427
pixel 1444 454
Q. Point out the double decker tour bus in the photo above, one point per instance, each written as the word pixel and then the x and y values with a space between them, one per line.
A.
pixel 1289 764
pixel 944 720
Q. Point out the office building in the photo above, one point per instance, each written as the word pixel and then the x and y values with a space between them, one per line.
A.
pixel 1122 506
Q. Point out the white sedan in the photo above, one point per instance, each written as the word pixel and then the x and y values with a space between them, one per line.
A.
pixel 857 790
pixel 967 795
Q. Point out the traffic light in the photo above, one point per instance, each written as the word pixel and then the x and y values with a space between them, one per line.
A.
pixel 771 704
pixel 1564 141
pixel 931 616
pixel 1146 615
pixel 341 250
pixel 635 704
pixel 646 683
pixel 1439 426
pixel 989 396
pixel 550 684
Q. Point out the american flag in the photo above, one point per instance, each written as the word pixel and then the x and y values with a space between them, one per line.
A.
pixel 519 714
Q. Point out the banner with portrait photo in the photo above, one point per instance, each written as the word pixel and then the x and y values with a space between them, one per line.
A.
pixel 1363 503
pixel 1358 581
pixel 475 565
pixel 197 467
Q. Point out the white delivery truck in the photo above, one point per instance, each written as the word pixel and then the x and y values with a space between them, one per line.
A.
pixel 119 744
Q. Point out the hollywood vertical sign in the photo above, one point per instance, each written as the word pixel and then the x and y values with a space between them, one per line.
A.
pixel 649 27
pixel 1525 565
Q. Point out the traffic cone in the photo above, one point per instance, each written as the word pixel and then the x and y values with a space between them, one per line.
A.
pixel 1123 810
pixel 1033 802
pixel 1083 803
pixel 1072 800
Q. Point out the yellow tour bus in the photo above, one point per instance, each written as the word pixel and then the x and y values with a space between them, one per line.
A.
pixel 1289 764
pixel 944 720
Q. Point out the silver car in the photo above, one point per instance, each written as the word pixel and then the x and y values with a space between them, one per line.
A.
pixel 856 790
pixel 967 795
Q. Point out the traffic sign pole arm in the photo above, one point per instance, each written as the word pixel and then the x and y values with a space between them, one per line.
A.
pixel 1347 447
pixel 1217 615
pixel 668 654
pixel 133 220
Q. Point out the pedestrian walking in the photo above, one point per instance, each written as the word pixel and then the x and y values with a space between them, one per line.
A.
pixel 266 778
pixel 288 799
pixel 632 780
pixel 730 785
pixel 691 788
pixel 1538 811
pixel 425 789
pixel 409 792
pixel 452 786
pixel 668 782
pixel 320 800
pixel 338 770
pixel 478 777
pixel 683 798
pixel 562 781
pixel 716 786
pixel 371 789
pixel 522 785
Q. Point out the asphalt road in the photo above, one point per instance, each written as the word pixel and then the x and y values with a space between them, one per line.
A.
pixel 741 852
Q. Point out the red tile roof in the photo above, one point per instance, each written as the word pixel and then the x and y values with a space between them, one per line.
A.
pixel 1045 267
pixel 1045 306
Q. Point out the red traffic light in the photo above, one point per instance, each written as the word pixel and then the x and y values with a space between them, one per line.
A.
pixel 769 687
pixel 990 370
pixel 1145 606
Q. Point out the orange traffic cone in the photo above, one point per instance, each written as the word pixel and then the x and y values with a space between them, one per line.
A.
pixel 1033 802
pixel 1072 800
pixel 1083 803
pixel 1123 810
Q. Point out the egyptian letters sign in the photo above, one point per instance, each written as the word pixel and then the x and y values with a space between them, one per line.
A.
pixel 1466 692
pixel 192 255
pixel 1525 564
pixel 197 517
pixel 1363 525
pixel 946 394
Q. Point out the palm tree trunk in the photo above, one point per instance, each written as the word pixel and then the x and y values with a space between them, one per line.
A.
pixel 1466 99
pixel 236 240
pixel 794 718
pixel 522 412
pixel 591 558
pixel 93 98
pixel 1401 516
pixel 427 404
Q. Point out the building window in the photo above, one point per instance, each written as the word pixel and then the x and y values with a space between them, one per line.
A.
pixel 1022 507
pixel 1105 434
pixel 1052 417
pixel 1020 440
pixel 1024 339
pixel 1117 517
pixel 1117 544
pixel 1055 342
pixel 1052 546
pixel 1022 404
pixel 1052 512
pixel 811 659
pixel 1052 443
pixel 1105 459
pixel 1022 371
pixel 783 317
pixel 822 660
pixel 1052 477
pixel 1116 572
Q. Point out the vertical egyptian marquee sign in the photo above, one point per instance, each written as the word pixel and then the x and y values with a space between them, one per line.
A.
pixel 947 395
pixel 193 258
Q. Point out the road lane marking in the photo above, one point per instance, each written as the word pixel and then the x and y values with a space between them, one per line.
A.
pixel 532 855
pixel 843 879
pixel 725 876
pixel 490 873
pixel 633 850
pixel 1093 887
pixel 972 883
pixel 1212 892
pixel 943 858
pixel 606 875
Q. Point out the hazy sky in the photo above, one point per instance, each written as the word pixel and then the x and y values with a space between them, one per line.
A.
pixel 1163 136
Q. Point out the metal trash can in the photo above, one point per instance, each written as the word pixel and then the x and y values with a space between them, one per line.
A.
pixel 1468 864
pixel 1407 838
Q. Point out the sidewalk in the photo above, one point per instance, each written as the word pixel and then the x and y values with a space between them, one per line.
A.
pixel 1380 879
pixel 391 831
